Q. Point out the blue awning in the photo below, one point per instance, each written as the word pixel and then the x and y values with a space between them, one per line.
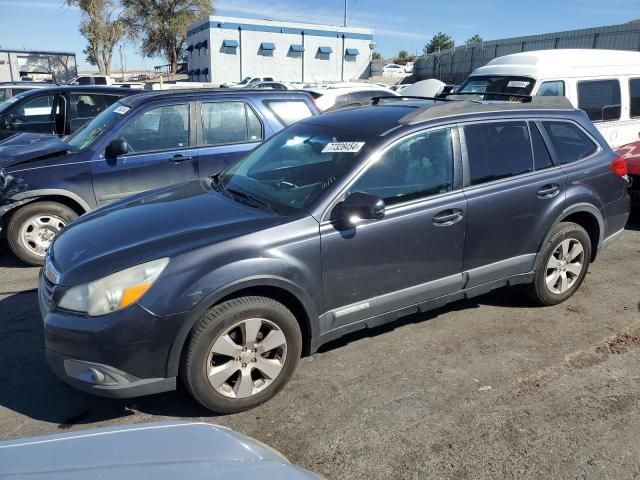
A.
pixel 196 71
pixel 351 52
pixel 267 46
pixel 205 71
pixel 297 48
pixel 325 50
pixel 190 48
pixel 230 43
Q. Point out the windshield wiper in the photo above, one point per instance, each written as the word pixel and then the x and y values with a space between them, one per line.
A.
pixel 249 198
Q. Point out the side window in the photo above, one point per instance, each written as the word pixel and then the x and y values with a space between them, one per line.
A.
pixel 35 110
pixel 160 128
pixel 3 95
pixel 600 99
pixel 553 88
pixel 289 111
pixel 416 168
pixel 90 105
pixel 498 150
pixel 541 156
pixel 229 122
pixel 569 141
pixel 634 97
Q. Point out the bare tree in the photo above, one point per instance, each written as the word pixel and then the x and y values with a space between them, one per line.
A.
pixel 101 24
pixel 162 24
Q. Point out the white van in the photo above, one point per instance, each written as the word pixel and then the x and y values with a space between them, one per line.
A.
pixel 603 83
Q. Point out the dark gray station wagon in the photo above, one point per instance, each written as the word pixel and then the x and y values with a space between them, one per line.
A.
pixel 340 222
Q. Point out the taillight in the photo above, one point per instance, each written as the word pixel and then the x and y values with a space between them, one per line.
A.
pixel 619 167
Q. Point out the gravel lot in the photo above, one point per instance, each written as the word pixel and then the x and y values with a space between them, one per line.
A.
pixel 489 388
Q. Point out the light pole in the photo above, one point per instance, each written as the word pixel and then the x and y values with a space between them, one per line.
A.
pixel 345 12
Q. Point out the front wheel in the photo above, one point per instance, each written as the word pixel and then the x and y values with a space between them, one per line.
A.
pixel 241 353
pixel 562 264
pixel 32 227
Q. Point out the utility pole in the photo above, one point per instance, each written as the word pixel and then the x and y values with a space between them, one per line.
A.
pixel 122 63
pixel 345 12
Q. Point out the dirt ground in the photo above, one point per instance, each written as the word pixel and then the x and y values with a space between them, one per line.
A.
pixel 489 388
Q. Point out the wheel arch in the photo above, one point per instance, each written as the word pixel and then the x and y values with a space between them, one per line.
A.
pixel 281 290
pixel 70 199
pixel 588 217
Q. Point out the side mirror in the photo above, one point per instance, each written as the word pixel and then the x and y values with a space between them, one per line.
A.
pixel 116 148
pixel 359 205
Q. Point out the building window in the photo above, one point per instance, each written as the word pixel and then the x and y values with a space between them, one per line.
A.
pixel 296 51
pixel 266 49
pixel 324 53
pixel 229 47
pixel 351 54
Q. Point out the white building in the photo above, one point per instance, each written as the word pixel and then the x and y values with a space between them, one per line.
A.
pixel 227 49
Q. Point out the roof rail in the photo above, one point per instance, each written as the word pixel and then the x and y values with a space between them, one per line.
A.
pixel 471 106
pixel 376 100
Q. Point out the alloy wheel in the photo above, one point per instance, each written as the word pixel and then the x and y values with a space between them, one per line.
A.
pixel 565 266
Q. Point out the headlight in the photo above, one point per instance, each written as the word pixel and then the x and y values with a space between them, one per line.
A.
pixel 113 292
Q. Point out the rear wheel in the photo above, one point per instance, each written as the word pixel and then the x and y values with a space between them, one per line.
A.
pixel 241 353
pixel 562 264
pixel 32 227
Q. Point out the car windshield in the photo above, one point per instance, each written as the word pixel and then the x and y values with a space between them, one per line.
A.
pixel 294 168
pixel 498 84
pixel 245 80
pixel 86 136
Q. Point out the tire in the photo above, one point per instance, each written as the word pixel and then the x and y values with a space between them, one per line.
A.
pixel 208 352
pixel 564 242
pixel 30 245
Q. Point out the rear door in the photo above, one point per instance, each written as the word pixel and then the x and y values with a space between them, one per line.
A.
pixel 512 199
pixel 160 153
pixel 227 130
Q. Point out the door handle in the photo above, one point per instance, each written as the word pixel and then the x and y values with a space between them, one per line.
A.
pixel 180 158
pixel 448 217
pixel 549 191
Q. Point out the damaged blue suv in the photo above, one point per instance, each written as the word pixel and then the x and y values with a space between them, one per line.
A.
pixel 340 222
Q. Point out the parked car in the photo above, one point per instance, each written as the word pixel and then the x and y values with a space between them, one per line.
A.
pixel 603 83
pixel 393 69
pixel 100 80
pixel 11 89
pixel 338 97
pixel 142 142
pixel 55 110
pixel 631 154
pixel 273 86
pixel 408 67
pixel 340 222
pixel 247 82
pixel 158 450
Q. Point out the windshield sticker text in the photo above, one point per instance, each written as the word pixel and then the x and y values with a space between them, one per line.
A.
pixel 122 109
pixel 343 147
pixel 518 84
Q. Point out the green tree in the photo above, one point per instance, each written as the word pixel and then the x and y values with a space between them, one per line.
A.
pixel 440 41
pixel 376 56
pixel 403 58
pixel 101 24
pixel 475 40
pixel 161 25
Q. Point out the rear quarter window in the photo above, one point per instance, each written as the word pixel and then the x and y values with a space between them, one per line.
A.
pixel 289 111
pixel 569 141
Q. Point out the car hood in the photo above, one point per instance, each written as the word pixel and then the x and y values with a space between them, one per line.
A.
pixel 157 224
pixel 27 147
pixel 159 450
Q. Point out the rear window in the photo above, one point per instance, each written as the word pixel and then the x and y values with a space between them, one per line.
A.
pixel 498 150
pixel 289 111
pixel 634 97
pixel 600 99
pixel 569 141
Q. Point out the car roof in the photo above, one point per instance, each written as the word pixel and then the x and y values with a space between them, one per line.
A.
pixel 558 63
pixel 145 96
pixel 80 88
pixel 28 84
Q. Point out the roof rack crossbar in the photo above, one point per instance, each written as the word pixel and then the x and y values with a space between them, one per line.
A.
pixel 376 100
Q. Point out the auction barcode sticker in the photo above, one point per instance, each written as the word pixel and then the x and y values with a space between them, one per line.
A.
pixel 518 84
pixel 122 109
pixel 343 147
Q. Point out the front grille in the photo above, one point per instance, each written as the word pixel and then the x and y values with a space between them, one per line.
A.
pixel 46 291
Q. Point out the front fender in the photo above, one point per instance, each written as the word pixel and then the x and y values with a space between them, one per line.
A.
pixel 173 362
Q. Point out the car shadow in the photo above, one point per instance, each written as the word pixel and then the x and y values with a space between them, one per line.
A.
pixel 30 388
pixel 634 221
pixel 9 260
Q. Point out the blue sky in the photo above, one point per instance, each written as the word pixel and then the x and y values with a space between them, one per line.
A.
pixel 400 24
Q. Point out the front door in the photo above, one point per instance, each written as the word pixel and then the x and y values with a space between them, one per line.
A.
pixel 36 114
pixel 512 199
pixel 159 154
pixel 229 129
pixel 414 253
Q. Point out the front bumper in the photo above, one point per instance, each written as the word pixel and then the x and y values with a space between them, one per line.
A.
pixel 122 354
